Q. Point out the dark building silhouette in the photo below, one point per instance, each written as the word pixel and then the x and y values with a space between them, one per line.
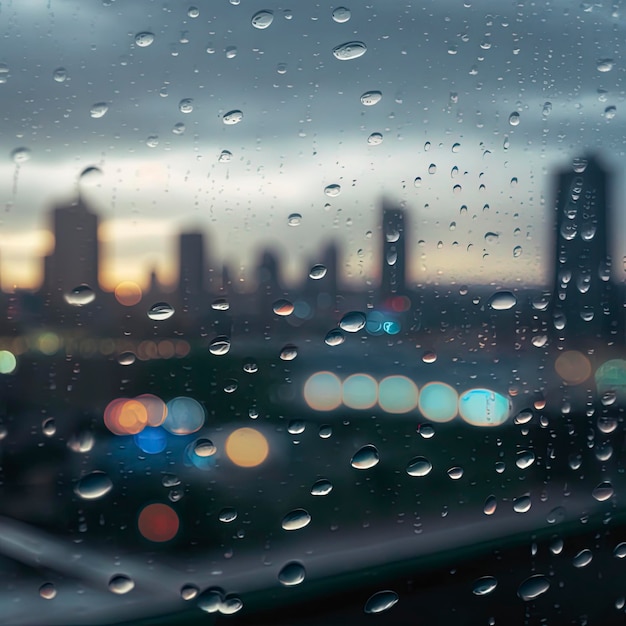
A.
pixel 394 248
pixel 75 258
pixel 192 272
pixel 584 303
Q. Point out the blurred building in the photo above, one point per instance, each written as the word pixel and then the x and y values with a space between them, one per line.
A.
pixel 394 249
pixel 75 258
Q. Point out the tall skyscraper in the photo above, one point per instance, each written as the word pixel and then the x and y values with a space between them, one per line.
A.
pixel 75 259
pixel 583 304
pixel 192 272
pixel 393 253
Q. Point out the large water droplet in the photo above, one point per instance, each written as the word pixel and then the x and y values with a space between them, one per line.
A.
pixel 262 19
pixel 370 98
pixel 619 552
pixel 227 515
pixel 605 65
pixel 294 219
pixel 321 487
pixel 332 191
pixel 296 519
pixel 98 110
pixel 522 504
pixel 59 75
pixel 341 15
pixel 610 112
pixel 334 337
pixel 291 574
pixel 419 466
pixel 204 448
pixel 47 591
pixel 533 586
pixel 353 322
pixel 20 155
pixel 455 473
pixel 514 119
pixel 583 558
pixel 121 584
pixel 502 301
pixel 220 304
pixel 365 458
pixel 231 605
pixel 232 117
pixel 381 601
pixel 491 503
pixel 484 586
pixel 219 346
pixel 603 491
pixel 282 307
pixel 210 600
pixel 525 458
pixel 189 591
pixel 144 39
pixel 80 296
pixel 288 353
pixel 185 105
pixel 93 485
pixel 317 272
pixel 160 311
pixel 349 50
pixel 375 139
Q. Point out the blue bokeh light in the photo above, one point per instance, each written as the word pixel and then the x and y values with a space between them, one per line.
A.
pixel 151 440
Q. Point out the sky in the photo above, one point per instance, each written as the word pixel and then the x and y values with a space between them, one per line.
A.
pixel 451 73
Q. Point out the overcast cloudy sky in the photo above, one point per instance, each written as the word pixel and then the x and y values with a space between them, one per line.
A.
pixel 450 72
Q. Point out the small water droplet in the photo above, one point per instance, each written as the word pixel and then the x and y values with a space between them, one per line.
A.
pixel 296 427
pixel 288 353
pixel 370 98
pixel 455 473
pixel 349 50
pixel 49 427
pixel 341 15
pixel 189 591
pixel 179 128
pixel 321 487
pixel 556 515
pixel 250 366
pixel 619 552
pixel 281 68
pixel 93 485
pixel 332 191
pixel 432 168
pixel 282 307
pixel 59 75
pixel 603 491
pixel 334 337
pixel 353 322
pixel 610 112
pixel 152 141
pixel 296 519
pixel 491 237
pixel 160 311
pixel 98 110
pixel 583 558
pixel 381 601
pixel 232 117
pixel 326 430
pixel 484 586
pixel 262 19
pixel 47 591
pixel 210 600
pixel 220 304
pixel 82 442
pixel 220 345
pixel 375 139
pixel 522 504
pixel 533 586
pixel 317 272
pixel 121 584
pixel 80 296
pixel 525 458
pixel 417 182
pixel 230 606
pixel 144 39
pixel 517 252
pixel 291 574
pixel 204 448
pixel 514 119
pixel 365 458
pixel 429 356
pixel 227 515
pixel 605 65
pixel 231 52
pixel 419 466
pixel 491 503
pixel 185 105
pixel 502 301
pixel 20 155
pixel 426 431
pixel 294 219
pixel 225 156
pixel 193 12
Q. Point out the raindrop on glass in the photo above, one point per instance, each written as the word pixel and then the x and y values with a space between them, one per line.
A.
pixel 291 574
pixel 375 139
pixel 353 322
pixel 332 191
pixel 605 65
pixel 334 337
pixel 288 353
pixel 514 119
pixel 381 601
pixel 98 110
pixel 521 504
pixel 20 155
pixel 193 12
pixel 525 458
pixel 121 584
pixel 491 503
pixel 603 491
pixel 321 487
pixel 227 515
pixel 296 519
pixel 262 19
pixel 232 117
pixel 502 301
pixel 47 591
pixel 317 272
pixel 80 296
pixel 419 466
pixel 533 586
pixel 282 307
pixel 484 586
pixel 583 558
pixel 220 345
pixel 220 304
pixel 341 15
pixel 144 39
pixel 160 311
pixel 294 219
pixel 204 448
pixel 189 591
pixel 185 105
pixel 370 98
pixel 60 75
pixel 225 156
pixel 455 473
pixel 93 485
pixel 349 50
pixel 365 458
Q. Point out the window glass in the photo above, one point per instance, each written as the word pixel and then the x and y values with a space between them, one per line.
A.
pixel 312 312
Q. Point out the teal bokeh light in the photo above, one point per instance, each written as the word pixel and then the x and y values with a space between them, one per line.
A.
pixel 360 391
pixel 397 394
pixel 438 402
pixel 484 407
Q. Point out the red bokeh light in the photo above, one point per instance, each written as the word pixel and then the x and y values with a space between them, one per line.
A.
pixel 158 522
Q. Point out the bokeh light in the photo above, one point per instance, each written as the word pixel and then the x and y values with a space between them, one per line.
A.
pixel 397 394
pixel 8 362
pixel 155 408
pixel 151 440
pixel 246 447
pixel 611 376
pixel 184 416
pixel 322 391
pixel 158 522
pixel 573 367
pixel 360 391
pixel 484 407
pixel 128 293
pixel 124 416
pixel 438 402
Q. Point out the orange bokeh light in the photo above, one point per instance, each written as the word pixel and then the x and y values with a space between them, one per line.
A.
pixel 123 416
pixel 573 367
pixel 158 522
pixel 156 409
pixel 246 447
pixel 128 293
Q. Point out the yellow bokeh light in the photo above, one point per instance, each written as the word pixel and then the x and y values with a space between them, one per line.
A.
pixel 247 447
pixel 573 367
pixel 128 293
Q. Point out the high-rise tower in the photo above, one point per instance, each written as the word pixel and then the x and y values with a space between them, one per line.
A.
pixel 583 304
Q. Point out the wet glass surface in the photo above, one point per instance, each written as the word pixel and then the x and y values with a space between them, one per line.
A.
pixel 312 314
